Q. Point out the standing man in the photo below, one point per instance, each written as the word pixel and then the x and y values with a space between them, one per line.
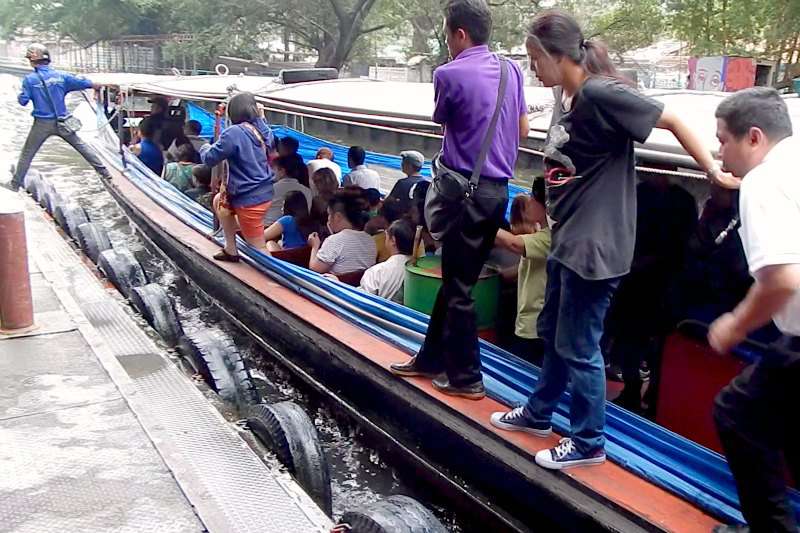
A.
pixel 756 415
pixel 466 94
pixel 46 88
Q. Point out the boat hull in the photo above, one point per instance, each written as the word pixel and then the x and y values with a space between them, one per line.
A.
pixel 445 449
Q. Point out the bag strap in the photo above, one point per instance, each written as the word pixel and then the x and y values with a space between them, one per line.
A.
pixel 257 134
pixel 49 96
pixel 487 140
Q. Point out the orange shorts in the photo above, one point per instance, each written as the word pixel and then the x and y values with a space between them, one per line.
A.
pixel 251 218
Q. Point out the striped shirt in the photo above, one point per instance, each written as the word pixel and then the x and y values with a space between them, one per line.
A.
pixel 348 251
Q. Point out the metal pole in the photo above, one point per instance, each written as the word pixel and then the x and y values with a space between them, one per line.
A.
pixel 16 300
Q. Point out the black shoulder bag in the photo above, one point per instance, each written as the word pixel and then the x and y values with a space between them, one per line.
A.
pixel 68 125
pixel 450 191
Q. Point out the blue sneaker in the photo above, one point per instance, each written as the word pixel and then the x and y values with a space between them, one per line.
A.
pixel 515 420
pixel 565 455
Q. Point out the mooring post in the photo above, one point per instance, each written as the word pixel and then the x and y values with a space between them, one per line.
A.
pixel 16 300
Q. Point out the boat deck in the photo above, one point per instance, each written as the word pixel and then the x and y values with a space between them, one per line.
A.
pixel 100 431
pixel 607 495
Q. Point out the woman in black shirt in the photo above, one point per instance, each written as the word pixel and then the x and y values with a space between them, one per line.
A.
pixel 591 204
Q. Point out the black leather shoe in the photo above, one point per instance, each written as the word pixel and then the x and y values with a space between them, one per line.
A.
pixel 736 528
pixel 476 391
pixel 409 369
pixel 12 186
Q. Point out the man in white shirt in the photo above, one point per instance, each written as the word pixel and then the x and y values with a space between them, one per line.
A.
pixel 756 415
pixel 324 159
pixel 386 279
pixel 360 175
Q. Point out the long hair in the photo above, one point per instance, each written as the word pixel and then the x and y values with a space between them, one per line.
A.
pixel 296 205
pixel 560 35
pixel 325 183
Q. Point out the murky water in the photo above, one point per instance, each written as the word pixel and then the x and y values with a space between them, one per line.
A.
pixel 359 474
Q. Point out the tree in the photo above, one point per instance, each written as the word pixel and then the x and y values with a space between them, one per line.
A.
pixel 331 27
pixel 84 21
pixel 767 29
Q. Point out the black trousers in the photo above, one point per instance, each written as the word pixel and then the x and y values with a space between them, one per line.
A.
pixel 43 129
pixel 451 344
pixel 757 420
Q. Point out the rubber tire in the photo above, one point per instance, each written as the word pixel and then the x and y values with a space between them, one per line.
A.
pixel 214 355
pixel 53 199
pixel 122 269
pixel 45 188
pixel 74 216
pixel 286 429
pixel 155 305
pixel 31 176
pixel 58 216
pixel 93 239
pixel 395 514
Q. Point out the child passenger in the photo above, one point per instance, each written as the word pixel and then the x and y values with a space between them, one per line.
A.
pixel 530 238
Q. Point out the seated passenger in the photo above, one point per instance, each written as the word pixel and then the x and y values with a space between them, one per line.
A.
pixel 147 149
pixel 530 238
pixel 179 173
pixel 374 199
pixel 377 222
pixel 248 190
pixel 191 135
pixel 166 128
pixel 360 175
pixel 349 248
pixel 201 192
pixel 288 146
pixel 294 227
pixel 398 202
pixel 324 184
pixel 666 216
pixel 324 159
pixel 386 279
pixel 289 172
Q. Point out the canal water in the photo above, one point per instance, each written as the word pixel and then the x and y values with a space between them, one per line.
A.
pixel 359 473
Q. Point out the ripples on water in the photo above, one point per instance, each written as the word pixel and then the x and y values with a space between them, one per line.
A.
pixel 360 475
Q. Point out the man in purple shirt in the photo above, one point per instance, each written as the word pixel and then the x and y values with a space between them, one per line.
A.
pixel 466 93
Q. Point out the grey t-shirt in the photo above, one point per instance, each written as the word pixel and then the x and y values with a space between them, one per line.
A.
pixel 591 177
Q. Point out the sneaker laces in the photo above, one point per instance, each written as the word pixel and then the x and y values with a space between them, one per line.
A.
pixel 564 448
pixel 514 414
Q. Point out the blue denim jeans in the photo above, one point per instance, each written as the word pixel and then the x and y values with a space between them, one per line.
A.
pixel 571 324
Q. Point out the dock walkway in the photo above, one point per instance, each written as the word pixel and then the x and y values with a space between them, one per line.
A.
pixel 100 431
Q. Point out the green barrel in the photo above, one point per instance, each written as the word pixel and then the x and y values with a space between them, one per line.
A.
pixel 424 279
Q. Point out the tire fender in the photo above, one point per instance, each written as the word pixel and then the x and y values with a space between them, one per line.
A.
pixel 214 355
pixel 122 269
pixel 395 514
pixel 93 239
pixel 155 305
pixel 288 431
pixel 74 216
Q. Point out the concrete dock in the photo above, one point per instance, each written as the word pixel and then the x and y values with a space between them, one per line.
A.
pixel 100 431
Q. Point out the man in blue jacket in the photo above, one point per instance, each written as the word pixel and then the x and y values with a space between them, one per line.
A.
pixel 46 88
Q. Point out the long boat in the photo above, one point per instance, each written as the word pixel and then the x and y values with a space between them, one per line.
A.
pixel 341 342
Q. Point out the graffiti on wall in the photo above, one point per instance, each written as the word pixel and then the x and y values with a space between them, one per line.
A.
pixel 721 73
